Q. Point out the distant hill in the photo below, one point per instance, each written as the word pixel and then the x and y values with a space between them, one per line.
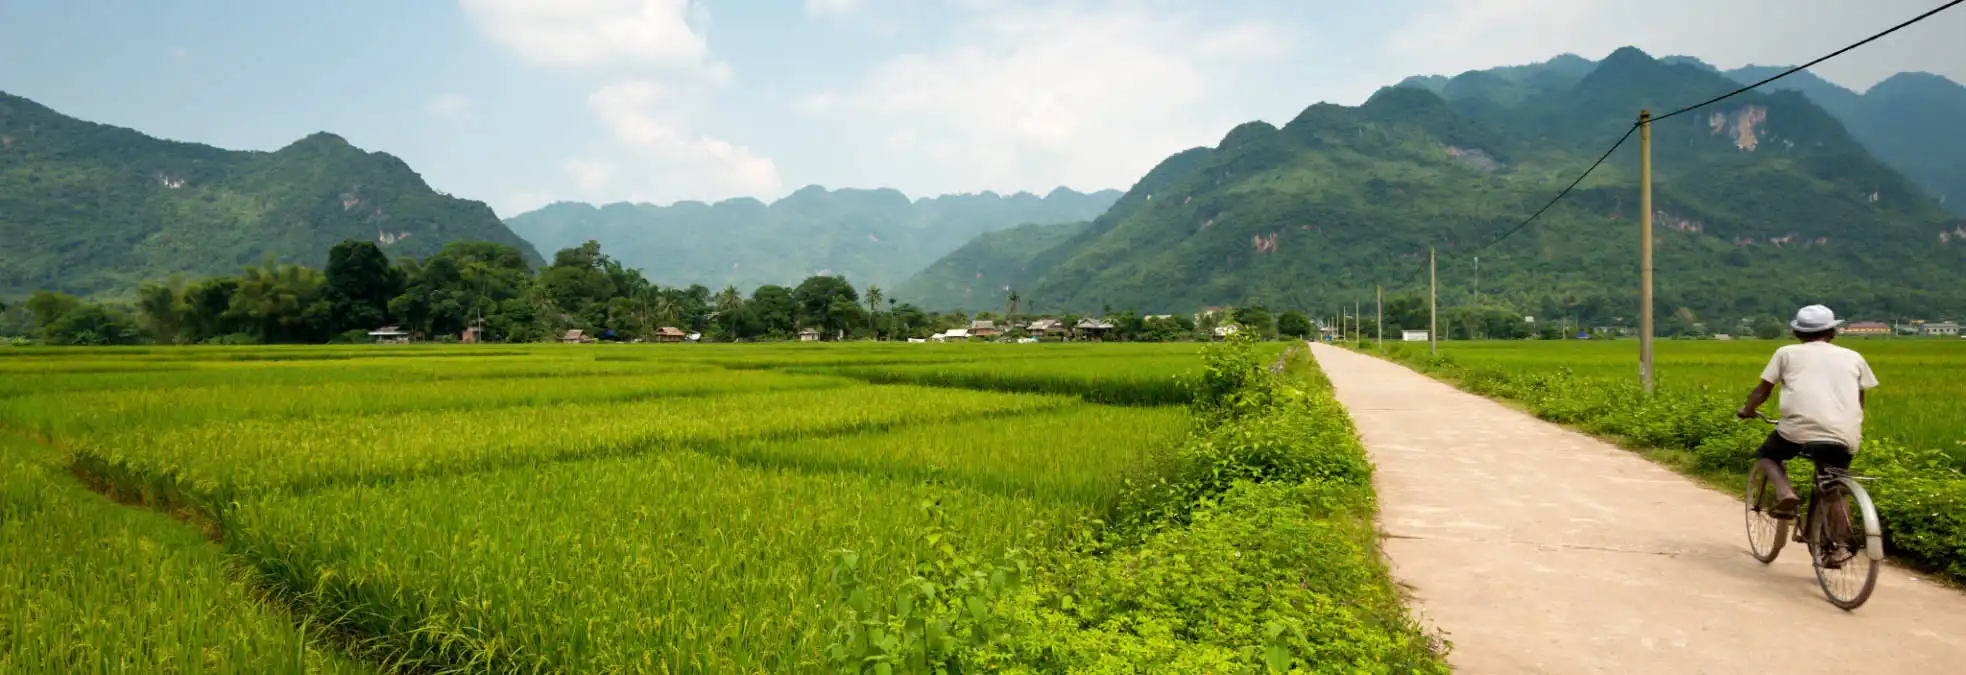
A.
pixel 869 236
pixel 91 209
pixel 1909 120
pixel 978 276
pixel 1764 202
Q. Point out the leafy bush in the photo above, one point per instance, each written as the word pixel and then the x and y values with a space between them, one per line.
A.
pixel 1249 548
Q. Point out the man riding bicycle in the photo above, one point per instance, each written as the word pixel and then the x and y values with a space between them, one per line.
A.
pixel 1822 405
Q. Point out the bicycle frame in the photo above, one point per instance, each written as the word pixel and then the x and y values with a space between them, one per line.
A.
pixel 1824 477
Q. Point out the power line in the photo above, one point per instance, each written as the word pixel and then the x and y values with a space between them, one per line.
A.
pixel 1806 66
pixel 1573 185
pixel 1634 127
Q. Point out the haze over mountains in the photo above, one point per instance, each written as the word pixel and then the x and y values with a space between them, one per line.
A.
pixel 90 208
pixel 868 236
pixel 1802 192
pixel 1764 201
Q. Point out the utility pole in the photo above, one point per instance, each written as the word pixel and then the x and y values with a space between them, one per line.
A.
pixel 1356 329
pixel 1380 293
pixel 1433 308
pixel 1645 249
pixel 1477 295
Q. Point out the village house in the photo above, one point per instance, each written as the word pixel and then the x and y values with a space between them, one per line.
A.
pixel 1047 328
pixel 1942 328
pixel 576 337
pixel 808 335
pixel 669 334
pixel 1096 329
pixel 389 335
pixel 957 334
pixel 983 328
pixel 1223 331
pixel 1867 328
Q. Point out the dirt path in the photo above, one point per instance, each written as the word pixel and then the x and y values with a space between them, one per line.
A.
pixel 1542 550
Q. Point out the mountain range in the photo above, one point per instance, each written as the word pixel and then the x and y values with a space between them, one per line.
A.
pixel 874 237
pixel 90 208
pixel 1764 201
pixel 1907 120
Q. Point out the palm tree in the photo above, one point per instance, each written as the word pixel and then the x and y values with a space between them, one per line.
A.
pixel 728 304
pixel 1010 309
pixel 874 296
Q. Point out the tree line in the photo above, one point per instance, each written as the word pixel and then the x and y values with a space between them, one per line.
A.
pixel 490 287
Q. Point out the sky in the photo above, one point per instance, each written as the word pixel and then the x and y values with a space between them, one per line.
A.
pixel 519 103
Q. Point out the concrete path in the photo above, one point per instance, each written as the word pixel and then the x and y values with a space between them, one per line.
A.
pixel 1542 550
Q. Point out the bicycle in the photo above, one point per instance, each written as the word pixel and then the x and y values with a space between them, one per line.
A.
pixel 1859 549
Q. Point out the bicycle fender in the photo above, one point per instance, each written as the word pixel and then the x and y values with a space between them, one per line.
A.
pixel 1873 531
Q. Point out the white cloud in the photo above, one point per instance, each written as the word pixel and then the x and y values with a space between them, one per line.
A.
pixel 447 106
pixel 657 56
pixel 1030 93
pixel 669 161
pixel 1450 36
pixel 600 34
pixel 591 176
pixel 833 7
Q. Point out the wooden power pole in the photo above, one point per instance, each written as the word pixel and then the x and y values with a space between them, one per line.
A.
pixel 1380 293
pixel 1433 309
pixel 1645 249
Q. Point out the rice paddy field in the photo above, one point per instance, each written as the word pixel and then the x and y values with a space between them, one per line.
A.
pixel 603 508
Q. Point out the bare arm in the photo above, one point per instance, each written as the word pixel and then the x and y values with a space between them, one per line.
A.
pixel 1758 397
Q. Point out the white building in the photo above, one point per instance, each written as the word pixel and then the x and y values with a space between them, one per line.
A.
pixel 1413 335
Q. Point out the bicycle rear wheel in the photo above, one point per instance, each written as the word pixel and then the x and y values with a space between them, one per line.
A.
pixel 1766 533
pixel 1848 548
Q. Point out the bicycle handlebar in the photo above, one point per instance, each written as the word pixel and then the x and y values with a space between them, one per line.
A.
pixel 1758 415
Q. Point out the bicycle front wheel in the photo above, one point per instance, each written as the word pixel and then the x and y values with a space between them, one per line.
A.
pixel 1766 533
pixel 1848 546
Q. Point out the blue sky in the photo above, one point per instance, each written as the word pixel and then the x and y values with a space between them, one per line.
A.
pixel 522 102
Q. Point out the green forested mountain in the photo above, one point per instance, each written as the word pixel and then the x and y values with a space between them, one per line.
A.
pixel 1763 202
pixel 978 276
pixel 89 208
pixel 1908 120
pixel 869 236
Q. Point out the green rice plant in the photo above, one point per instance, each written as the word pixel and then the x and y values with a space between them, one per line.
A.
pixel 209 465
pixel 76 413
pixel 90 586
pixel 676 562
pixel 1077 453
pixel 297 373
pixel 1119 380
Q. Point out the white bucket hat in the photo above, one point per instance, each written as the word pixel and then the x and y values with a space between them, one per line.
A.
pixel 1814 318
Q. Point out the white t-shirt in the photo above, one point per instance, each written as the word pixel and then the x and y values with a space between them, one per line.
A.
pixel 1820 382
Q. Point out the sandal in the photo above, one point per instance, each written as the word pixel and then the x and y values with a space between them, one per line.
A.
pixel 1785 509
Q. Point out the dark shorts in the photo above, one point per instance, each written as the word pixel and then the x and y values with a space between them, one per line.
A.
pixel 1825 455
